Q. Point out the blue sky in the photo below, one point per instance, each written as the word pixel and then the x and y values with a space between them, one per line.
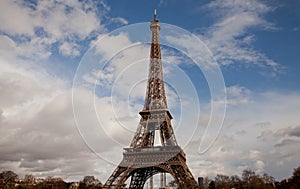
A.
pixel 42 44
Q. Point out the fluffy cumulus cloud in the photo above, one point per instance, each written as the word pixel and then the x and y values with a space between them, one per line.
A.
pixel 31 29
pixel 259 134
pixel 38 130
pixel 69 49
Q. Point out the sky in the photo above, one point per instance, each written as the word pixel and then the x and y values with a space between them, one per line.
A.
pixel 73 78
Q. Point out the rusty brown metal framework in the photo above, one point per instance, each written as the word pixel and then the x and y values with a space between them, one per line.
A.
pixel 143 159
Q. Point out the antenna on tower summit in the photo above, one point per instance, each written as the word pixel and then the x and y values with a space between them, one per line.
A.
pixel 154 14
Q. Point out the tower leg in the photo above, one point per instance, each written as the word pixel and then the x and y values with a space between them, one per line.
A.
pixel 161 180
pixel 151 182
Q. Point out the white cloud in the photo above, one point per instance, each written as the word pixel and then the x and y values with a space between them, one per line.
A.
pixel 229 38
pixel 259 166
pixel 7 46
pixel 31 30
pixel 36 48
pixel 254 155
pixel 261 135
pixel 238 95
pixel 193 47
pixel 69 49
pixel 38 132
pixel 62 20
pixel 109 45
pixel 15 18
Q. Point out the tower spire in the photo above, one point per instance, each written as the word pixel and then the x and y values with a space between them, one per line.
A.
pixel 155 95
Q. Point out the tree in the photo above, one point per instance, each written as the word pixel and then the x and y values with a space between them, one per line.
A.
pixel 251 180
pixel 90 182
pixel 268 179
pixel 296 173
pixel 9 177
pixel 29 179
pixel 222 181
pixel 295 179
pixel 54 182
pixel 235 182
pixel 248 175
pixel 206 182
pixel 212 185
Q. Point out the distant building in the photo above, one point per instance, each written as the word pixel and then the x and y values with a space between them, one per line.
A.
pixel 200 181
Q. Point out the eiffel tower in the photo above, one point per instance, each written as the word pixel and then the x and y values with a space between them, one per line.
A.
pixel 143 159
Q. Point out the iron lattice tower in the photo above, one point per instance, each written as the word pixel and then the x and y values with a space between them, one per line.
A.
pixel 143 159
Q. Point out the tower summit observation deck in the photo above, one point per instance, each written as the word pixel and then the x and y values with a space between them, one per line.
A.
pixel 143 159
